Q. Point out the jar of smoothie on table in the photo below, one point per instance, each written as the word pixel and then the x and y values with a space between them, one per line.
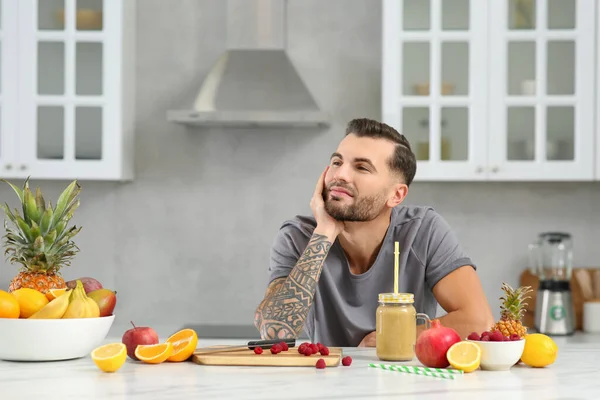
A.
pixel 396 326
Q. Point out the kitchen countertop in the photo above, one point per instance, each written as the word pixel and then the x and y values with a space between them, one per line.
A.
pixel 574 375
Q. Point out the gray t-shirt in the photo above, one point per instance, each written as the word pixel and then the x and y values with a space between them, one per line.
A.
pixel 344 307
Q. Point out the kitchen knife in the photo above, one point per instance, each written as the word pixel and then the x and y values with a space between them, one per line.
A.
pixel 265 344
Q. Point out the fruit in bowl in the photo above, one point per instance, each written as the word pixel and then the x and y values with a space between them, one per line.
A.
pixel 499 355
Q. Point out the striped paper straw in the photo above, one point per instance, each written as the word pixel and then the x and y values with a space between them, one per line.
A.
pixel 434 372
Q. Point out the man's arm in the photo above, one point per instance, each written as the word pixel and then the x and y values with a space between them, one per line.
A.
pixel 288 300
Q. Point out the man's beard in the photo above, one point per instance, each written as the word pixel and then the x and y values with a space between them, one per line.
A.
pixel 363 209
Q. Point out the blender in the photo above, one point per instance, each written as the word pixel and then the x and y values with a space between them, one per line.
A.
pixel 551 260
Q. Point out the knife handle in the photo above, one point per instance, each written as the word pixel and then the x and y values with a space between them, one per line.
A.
pixel 267 344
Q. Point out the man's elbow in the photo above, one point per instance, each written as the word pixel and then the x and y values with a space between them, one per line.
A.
pixel 482 319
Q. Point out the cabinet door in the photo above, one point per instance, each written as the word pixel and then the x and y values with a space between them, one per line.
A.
pixel 8 87
pixel 69 88
pixel 542 74
pixel 434 83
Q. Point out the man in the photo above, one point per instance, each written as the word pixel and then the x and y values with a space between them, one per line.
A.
pixel 327 270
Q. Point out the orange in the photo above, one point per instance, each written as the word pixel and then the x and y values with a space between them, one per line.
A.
pixel 110 357
pixel 154 353
pixel 54 293
pixel 9 306
pixel 30 301
pixel 464 356
pixel 184 343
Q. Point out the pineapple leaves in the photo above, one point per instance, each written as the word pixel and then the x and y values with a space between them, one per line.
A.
pixel 18 191
pixel 46 221
pixel 65 200
pixel 39 200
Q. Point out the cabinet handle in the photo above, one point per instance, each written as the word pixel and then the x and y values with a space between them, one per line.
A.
pixel 8 166
pixel 495 169
pixel 479 170
pixel 23 167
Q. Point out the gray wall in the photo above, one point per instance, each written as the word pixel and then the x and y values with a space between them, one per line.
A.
pixel 188 240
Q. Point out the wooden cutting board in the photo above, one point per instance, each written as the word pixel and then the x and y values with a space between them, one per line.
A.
pixel 246 357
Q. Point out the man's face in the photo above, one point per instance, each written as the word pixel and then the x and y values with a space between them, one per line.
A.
pixel 359 182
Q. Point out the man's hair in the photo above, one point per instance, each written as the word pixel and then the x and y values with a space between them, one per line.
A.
pixel 403 161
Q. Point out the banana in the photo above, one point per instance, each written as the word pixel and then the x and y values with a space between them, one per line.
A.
pixel 93 309
pixel 78 307
pixel 56 308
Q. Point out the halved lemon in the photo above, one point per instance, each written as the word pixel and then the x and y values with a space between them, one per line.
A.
pixel 184 343
pixel 464 356
pixel 154 353
pixel 54 293
pixel 110 357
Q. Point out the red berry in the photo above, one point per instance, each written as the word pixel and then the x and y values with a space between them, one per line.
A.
pixel 305 344
pixel 275 349
pixel 485 338
pixel 496 336
pixel 486 333
pixel 284 346
pixel 324 351
pixel 320 346
pixel 302 348
pixel 308 351
pixel 315 348
pixel 514 337
pixel 320 363
pixel 346 361
pixel 258 350
pixel 474 336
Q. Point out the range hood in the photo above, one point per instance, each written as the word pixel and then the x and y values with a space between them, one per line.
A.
pixel 254 83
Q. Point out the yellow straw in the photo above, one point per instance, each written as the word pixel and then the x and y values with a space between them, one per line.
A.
pixel 396 253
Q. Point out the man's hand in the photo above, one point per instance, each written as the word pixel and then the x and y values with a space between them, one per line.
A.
pixel 369 340
pixel 326 224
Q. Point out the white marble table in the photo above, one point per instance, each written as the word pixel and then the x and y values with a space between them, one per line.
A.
pixel 575 375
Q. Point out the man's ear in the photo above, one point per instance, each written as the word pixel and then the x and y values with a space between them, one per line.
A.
pixel 398 196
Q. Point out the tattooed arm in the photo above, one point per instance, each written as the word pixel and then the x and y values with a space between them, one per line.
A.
pixel 287 301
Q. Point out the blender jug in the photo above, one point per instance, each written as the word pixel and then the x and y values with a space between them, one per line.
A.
pixel 551 260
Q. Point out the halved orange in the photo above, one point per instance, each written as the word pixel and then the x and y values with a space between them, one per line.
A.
pixel 464 356
pixel 154 353
pixel 184 343
pixel 54 293
pixel 110 357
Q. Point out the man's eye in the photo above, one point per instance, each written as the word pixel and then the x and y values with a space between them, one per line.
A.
pixel 336 163
pixel 363 168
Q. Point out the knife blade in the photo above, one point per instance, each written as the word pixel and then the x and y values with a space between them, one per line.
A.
pixel 265 344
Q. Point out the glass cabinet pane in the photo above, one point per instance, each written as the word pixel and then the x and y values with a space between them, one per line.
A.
pixel 521 68
pixel 88 68
pixel 561 14
pixel 88 133
pixel 455 68
pixel 561 67
pixel 415 126
pixel 520 135
pixel 51 68
pixel 89 15
pixel 455 134
pixel 51 15
pixel 415 68
pixel 560 125
pixel 521 14
pixel 416 15
pixel 455 15
pixel 50 132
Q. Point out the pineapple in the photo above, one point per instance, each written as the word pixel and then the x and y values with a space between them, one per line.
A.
pixel 40 240
pixel 512 309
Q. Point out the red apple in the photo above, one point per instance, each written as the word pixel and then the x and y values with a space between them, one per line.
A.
pixel 106 300
pixel 89 284
pixel 136 336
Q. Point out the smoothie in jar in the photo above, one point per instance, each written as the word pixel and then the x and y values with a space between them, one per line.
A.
pixel 396 327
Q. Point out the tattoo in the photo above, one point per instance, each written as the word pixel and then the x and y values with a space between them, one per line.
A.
pixel 287 301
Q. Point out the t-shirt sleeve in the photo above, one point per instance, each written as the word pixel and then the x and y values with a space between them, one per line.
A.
pixel 444 253
pixel 287 246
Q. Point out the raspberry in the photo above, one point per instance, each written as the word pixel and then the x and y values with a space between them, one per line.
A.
pixel 324 351
pixel 275 349
pixel 302 348
pixel 496 336
pixel 474 336
pixel 514 337
pixel 485 338
pixel 315 348
pixel 258 350
pixel 284 346
pixel 305 344
pixel 308 351
pixel 320 346
pixel 320 363
pixel 346 361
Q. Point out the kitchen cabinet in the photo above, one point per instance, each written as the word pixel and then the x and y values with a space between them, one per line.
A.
pixel 67 89
pixel 493 90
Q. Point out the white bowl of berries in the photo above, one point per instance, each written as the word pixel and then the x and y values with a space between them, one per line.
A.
pixel 498 352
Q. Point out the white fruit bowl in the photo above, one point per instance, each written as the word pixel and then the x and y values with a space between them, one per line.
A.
pixel 499 356
pixel 51 339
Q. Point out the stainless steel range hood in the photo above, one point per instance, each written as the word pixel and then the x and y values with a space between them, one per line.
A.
pixel 254 83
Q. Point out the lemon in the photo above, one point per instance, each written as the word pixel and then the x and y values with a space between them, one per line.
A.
pixel 540 350
pixel 30 301
pixel 9 306
pixel 110 357
pixel 464 355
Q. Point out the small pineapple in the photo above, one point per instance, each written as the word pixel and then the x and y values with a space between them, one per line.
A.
pixel 40 240
pixel 512 309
